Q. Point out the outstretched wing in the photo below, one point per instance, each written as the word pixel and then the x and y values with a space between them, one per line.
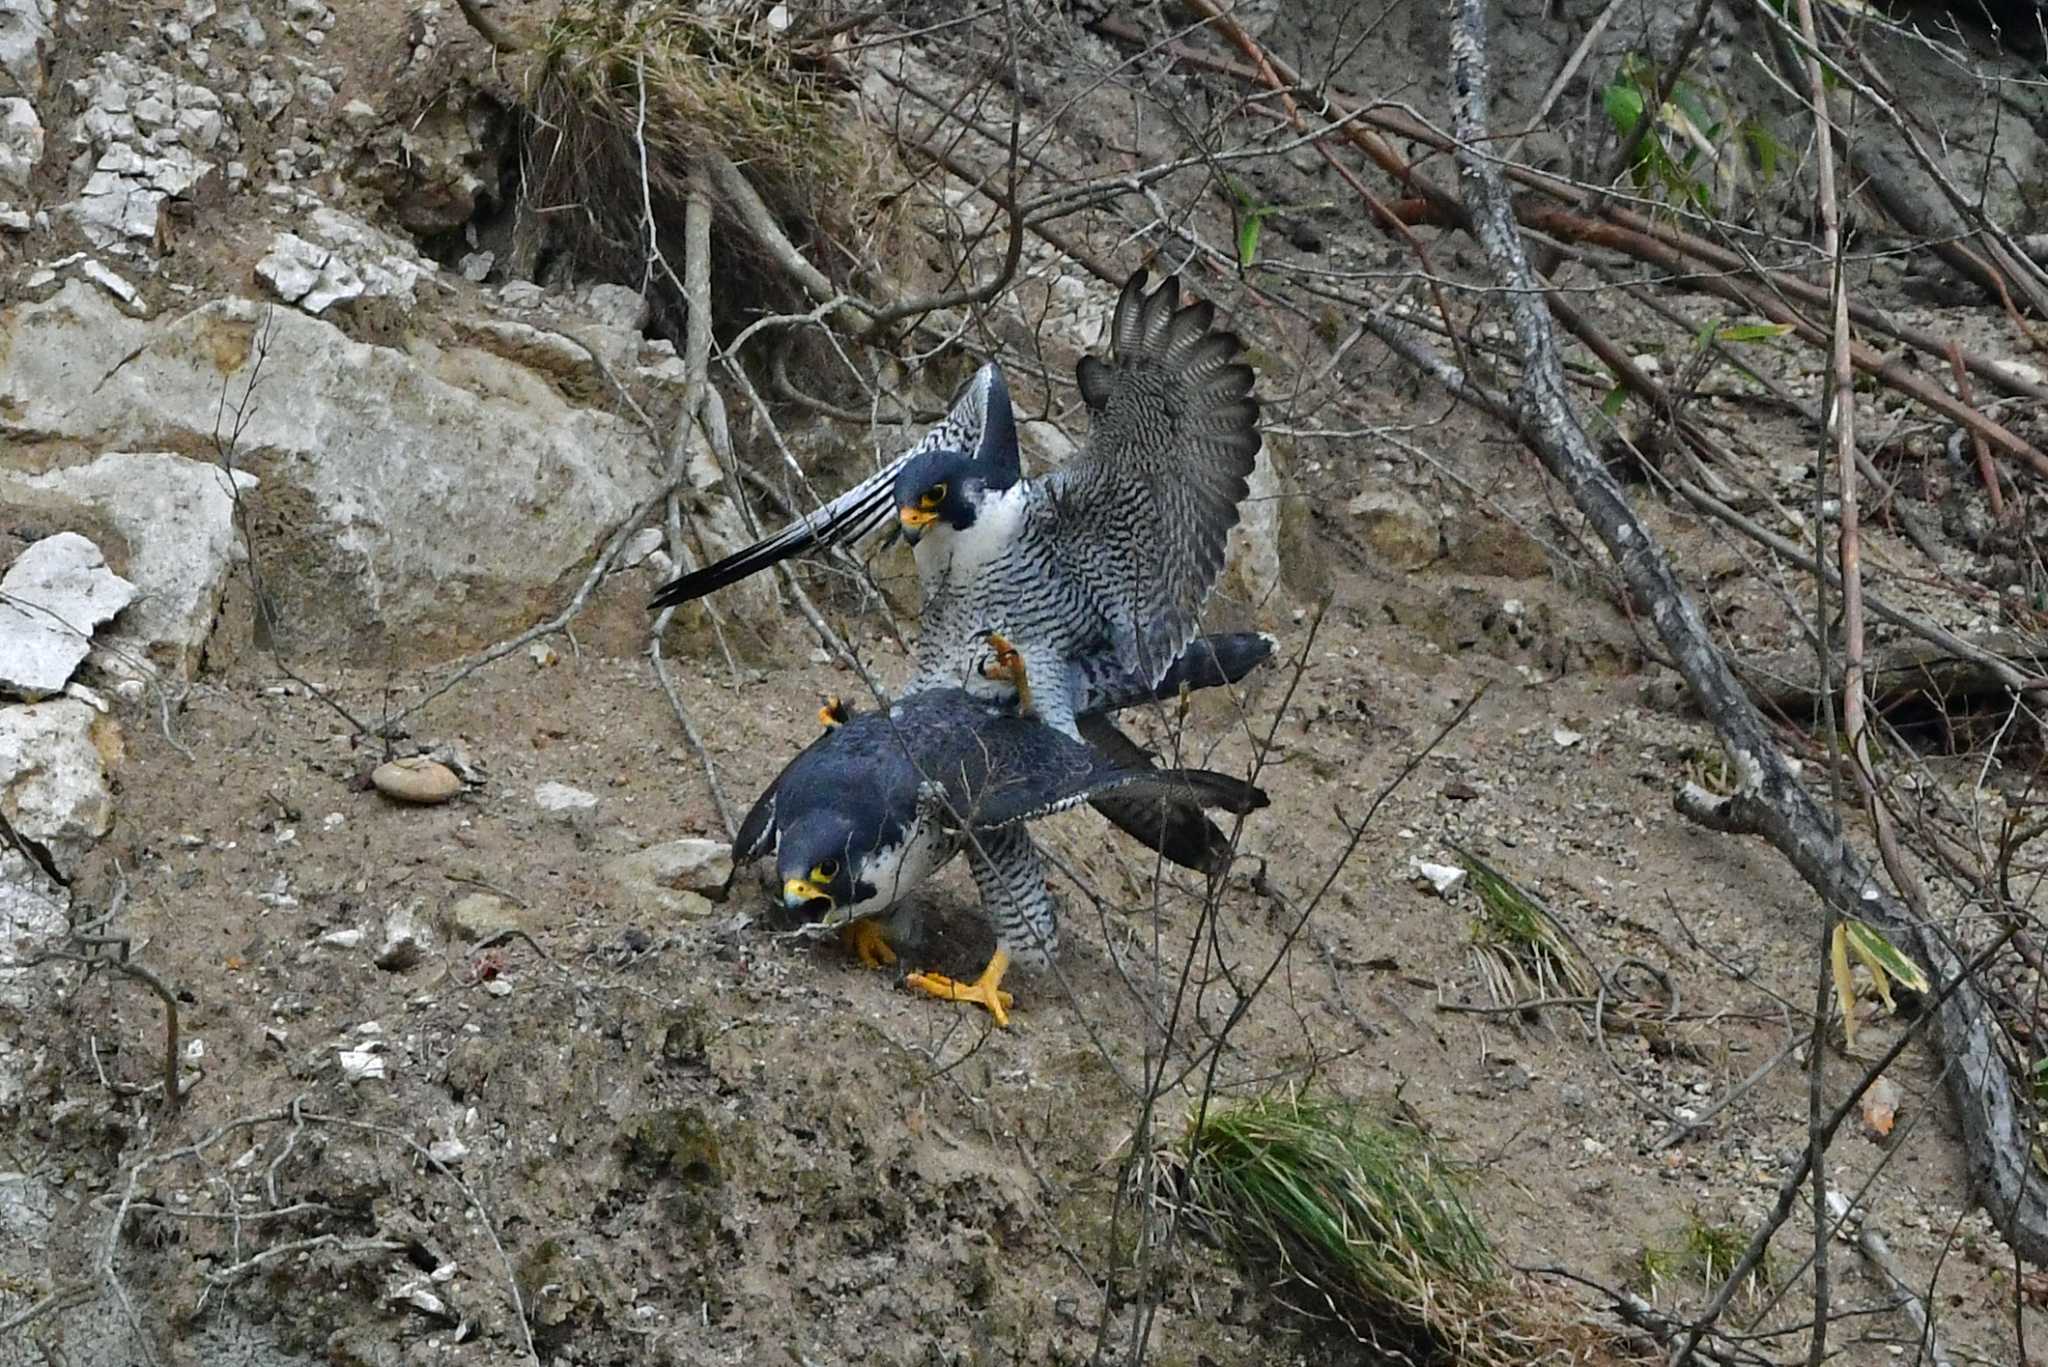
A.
pixel 1102 685
pixel 1180 832
pixel 979 421
pixel 1174 432
pixel 999 769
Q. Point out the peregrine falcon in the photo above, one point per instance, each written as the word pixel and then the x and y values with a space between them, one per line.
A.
pixel 880 801
pixel 1112 554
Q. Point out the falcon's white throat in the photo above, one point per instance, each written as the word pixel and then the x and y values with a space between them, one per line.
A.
pixel 960 557
pixel 893 870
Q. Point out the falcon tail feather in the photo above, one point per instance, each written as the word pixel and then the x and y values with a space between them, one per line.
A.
pixel 852 515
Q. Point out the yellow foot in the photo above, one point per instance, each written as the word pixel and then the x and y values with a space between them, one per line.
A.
pixel 1005 665
pixel 984 991
pixel 864 938
pixel 833 713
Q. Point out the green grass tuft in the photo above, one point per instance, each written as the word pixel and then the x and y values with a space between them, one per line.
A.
pixel 1520 951
pixel 1355 1218
pixel 1701 1253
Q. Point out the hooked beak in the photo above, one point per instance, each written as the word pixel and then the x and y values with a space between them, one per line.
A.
pixel 801 894
pixel 915 520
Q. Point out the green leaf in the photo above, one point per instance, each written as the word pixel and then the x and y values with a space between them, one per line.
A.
pixel 1752 332
pixel 1616 398
pixel 1248 237
pixel 1624 105
pixel 1688 101
pixel 1882 958
pixel 1764 147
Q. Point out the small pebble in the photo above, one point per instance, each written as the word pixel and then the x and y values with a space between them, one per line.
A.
pixel 416 779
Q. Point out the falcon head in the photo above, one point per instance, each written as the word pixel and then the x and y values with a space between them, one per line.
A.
pixel 939 488
pixel 819 861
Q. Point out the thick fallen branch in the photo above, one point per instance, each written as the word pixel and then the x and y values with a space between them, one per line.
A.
pixel 1769 798
pixel 1905 671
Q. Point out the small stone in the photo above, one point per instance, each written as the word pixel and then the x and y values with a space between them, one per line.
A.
pixel 1564 738
pixel 498 987
pixel 480 915
pixel 617 306
pixel 416 779
pixel 349 937
pixel 448 1152
pixel 108 281
pixel 406 940
pixel 639 546
pixel 476 266
pixel 358 114
pixel 21 142
pixel 54 787
pixel 688 865
pixel 561 798
pixel 365 1061
pixel 1444 879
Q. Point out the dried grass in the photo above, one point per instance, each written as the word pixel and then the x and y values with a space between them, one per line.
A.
pixel 626 100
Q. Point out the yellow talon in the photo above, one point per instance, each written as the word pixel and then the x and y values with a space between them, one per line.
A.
pixel 985 991
pixel 1005 665
pixel 833 713
pixel 864 938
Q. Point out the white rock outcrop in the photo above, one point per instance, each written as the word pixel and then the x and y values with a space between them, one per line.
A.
pixel 178 516
pixel 433 488
pixel 53 776
pixel 51 598
pixel 21 142
pixel 24 44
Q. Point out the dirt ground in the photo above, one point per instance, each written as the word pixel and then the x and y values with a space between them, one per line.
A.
pixel 690 1140
pixel 641 1128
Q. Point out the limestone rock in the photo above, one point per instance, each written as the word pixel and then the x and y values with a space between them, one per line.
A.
pixel 178 516
pixel 144 130
pixel 1396 526
pixel 560 799
pixel 480 915
pixel 34 918
pixel 690 865
pixel 21 142
pixel 52 597
pixel 351 260
pixel 407 939
pixel 24 44
pixel 442 489
pixel 669 881
pixel 53 776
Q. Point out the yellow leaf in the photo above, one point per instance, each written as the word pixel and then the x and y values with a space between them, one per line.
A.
pixel 1845 985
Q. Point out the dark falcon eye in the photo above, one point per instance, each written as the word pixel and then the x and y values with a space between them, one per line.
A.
pixel 934 496
pixel 829 869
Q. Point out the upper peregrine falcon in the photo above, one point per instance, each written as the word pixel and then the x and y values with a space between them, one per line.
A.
pixel 1111 555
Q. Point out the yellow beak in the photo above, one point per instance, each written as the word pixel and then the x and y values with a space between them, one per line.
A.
pixel 798 891
pixel 916 519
